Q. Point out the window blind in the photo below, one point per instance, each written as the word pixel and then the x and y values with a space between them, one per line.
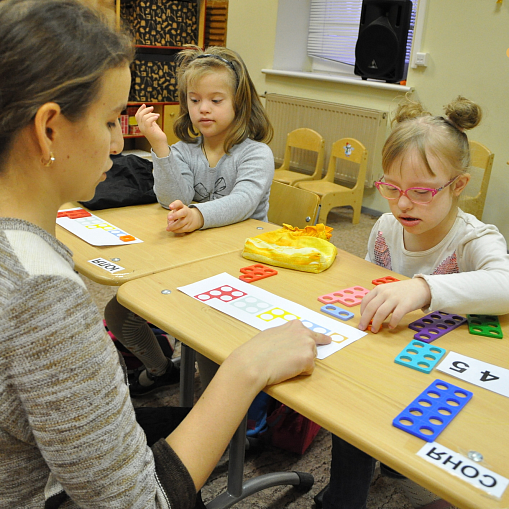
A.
pixel 334 28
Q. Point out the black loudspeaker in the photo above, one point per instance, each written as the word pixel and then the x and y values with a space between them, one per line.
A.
pixel 381 45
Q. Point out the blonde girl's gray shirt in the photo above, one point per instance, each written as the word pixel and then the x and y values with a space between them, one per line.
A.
pixel 236 189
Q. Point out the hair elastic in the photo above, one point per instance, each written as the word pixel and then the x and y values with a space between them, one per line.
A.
pixel 217 57
pixel 447 120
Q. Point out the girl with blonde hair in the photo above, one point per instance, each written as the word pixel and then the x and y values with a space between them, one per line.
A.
pixel 427 236
pixel 223 153
pixel 457 263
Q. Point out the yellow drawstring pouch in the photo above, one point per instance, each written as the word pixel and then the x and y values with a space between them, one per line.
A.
pixel 305 249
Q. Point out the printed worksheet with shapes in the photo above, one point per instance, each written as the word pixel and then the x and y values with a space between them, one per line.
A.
pixel 92 229
pixel 263 310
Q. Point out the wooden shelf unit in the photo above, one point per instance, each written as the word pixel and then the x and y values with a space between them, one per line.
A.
pixel 168 110
pixel 216 23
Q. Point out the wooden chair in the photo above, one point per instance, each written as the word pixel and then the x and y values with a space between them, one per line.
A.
pixel 290 205
pixel 474 196
pixel 305 139
pixel 334 195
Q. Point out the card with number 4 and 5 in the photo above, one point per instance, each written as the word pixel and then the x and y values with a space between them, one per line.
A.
pixel 480 373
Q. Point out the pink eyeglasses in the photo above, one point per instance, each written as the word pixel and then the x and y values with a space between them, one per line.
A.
pixel 420 195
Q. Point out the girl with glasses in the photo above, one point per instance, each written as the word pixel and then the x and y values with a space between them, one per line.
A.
pixel 457 263
pixel 426 236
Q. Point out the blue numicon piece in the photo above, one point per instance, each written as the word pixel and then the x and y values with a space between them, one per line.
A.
pixel 337 312
pixel 428 415
pixel 420 356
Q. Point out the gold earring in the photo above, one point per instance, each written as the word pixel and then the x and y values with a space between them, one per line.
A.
pixel 50 161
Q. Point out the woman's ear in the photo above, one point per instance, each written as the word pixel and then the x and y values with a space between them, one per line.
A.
pixel 45 123
pixel 461 183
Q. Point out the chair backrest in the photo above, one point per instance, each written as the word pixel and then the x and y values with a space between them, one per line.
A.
pixel 305 139
pixel 473 198
pixel 351 150
pixel 290 205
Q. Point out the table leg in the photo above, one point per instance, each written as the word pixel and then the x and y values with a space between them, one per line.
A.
pixel 187 359
pixel 237 490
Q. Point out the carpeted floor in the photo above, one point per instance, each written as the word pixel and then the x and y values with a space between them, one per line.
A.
pixel 384 493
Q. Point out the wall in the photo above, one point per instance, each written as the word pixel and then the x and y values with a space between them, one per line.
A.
pixel 467 43
pixel 106 7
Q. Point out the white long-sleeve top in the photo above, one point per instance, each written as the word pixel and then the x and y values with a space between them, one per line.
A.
pixel 237 188
pixel 467 272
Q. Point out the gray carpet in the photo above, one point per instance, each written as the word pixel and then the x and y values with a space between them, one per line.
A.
pixel 384 492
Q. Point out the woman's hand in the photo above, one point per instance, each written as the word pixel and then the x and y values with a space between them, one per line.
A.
pixel 280 353
pixel 183 219
pixel 269 357
pixel 147 122
pixel 398 298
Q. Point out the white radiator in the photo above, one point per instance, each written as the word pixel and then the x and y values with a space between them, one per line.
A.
pixel 333 121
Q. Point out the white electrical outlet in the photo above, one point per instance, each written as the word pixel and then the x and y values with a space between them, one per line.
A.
pixel 421 59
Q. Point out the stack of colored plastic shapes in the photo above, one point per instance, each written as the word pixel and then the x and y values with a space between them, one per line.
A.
pixel 485 325
pixel 420 356
pixel 348 297
pixel 435 325
pixel 256 272
pixel 429 413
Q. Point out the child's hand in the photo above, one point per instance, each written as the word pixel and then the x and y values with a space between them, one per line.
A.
pixel 398 298
pixel 146 119
pixel 183 219
pixel 280 353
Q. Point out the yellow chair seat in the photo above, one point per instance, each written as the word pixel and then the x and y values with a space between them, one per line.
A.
pixel 289 177
pixel 322 188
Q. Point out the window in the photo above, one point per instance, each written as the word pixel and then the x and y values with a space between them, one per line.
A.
pixel 333 32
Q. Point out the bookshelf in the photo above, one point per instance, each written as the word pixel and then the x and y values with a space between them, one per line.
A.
pixel 161 29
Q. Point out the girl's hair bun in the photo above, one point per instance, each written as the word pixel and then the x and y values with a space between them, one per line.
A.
pixel 409 109
pixel 417 129
pixel 465 114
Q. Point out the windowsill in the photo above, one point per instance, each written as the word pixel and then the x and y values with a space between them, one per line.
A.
pixel 339 79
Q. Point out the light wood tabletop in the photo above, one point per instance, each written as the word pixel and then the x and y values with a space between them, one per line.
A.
pixel 160 250
pixel 357 392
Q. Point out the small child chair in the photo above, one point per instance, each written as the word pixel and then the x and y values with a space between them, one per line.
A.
pixel 305 139
pixel 473 198
pixel 334 195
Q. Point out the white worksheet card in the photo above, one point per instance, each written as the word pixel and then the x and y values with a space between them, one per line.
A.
pixel 480 373
pixel 460 466
pixel 94 230
pixel 264 310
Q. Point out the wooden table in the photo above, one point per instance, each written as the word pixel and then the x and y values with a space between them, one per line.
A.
pixel 160 250
pixel 357 392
